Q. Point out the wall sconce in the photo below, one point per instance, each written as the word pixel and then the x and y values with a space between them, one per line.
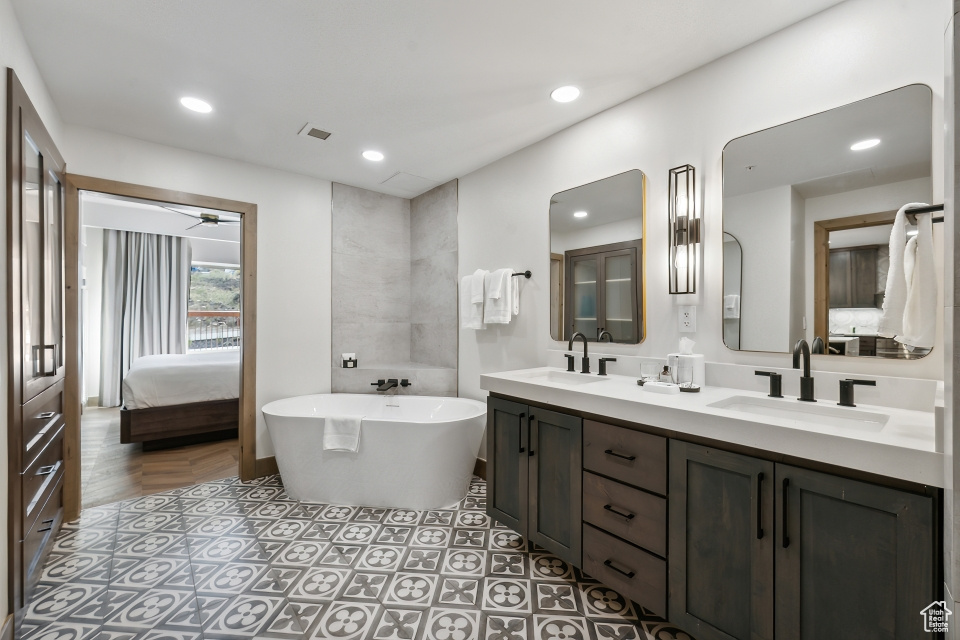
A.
pixel 684 230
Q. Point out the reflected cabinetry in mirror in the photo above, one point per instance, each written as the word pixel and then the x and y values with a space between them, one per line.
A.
pixel 596 253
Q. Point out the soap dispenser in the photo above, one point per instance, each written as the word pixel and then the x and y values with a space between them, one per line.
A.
pixel 665 375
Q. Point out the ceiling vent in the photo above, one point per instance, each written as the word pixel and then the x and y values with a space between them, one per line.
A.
pixel 314 132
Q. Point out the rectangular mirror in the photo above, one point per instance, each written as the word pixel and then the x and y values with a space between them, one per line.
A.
pixel 596 260
pixel 808 208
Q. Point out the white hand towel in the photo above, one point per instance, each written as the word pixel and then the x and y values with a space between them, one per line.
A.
pixel 342 433
pixel 920 311
pixel 515 287
pixel 476 286
pixel 499 309
pixel 471 315
pixel 895 293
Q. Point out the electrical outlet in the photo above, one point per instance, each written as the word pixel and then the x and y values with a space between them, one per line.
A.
pixel 688 319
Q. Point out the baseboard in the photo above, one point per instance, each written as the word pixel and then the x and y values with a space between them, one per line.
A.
pixel 480 468
pixel 267 467
pixel 6 632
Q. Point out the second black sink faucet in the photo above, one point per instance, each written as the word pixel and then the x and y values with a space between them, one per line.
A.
pixel 586 360
pixel 806 380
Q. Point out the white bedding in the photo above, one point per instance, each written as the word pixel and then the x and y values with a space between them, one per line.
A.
pixel 170 379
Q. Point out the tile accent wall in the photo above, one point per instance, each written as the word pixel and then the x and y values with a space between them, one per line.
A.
pixel 394 279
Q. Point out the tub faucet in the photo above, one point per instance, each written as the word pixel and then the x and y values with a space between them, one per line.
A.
pixel 385 385
pixel 802 349
pixel 586 360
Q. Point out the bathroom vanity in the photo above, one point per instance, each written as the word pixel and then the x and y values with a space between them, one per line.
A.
pixel 731 514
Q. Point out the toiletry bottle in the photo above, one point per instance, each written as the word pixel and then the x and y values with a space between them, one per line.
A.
pixel 665 375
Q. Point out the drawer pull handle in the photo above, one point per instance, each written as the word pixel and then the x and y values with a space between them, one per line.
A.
pixel 530 420
pixel 522 416
pixel 628 516
pixel 611 452
pixel 44 529
pixel 46 415
pixel 47 470
pixel 609 563
pixel 47 521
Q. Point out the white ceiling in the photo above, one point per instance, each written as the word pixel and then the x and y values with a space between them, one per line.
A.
pixel 440 87
pixel 814 154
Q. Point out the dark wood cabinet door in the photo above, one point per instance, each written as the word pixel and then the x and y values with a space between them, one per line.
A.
pixel 507 463
pixel 555 483
pixel 839 279
pixel 721 544
pixel 863 283
pixel 853 560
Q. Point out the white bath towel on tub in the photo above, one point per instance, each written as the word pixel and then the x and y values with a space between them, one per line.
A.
pixel 342 433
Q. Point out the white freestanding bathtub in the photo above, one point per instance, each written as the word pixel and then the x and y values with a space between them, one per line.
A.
pixel 418 455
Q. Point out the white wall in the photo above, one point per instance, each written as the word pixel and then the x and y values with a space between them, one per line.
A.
pixel 857 49
pixel 15 54
pixel 293 249
pixel 620 231
pixel 798 273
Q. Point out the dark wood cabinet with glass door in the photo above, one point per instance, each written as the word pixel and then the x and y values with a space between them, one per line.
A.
pixel 603 291
pixel 35 294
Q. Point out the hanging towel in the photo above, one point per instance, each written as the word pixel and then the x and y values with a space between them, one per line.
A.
pixel 476 286
pixel 342 433
pixel 498 305
pixel 896 293
pixel 731 306
pixel 471 315
pixel 920 312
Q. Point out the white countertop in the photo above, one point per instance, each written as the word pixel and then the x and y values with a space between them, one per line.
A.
pixel 905 448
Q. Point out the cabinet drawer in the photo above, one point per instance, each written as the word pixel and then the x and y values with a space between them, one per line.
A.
pixel 40 476
pixel 636 574
pixel 45 526
pixel 631 514
pixel 633 457
pixel 41 417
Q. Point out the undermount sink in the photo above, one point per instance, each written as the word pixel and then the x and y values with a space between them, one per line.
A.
pixel 827 415
pixel 564 377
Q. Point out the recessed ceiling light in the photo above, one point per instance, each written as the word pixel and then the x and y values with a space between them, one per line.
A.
pixel 374 156
pixel 580 214
pixel 196 104
pixel 865 144
pixel 565 94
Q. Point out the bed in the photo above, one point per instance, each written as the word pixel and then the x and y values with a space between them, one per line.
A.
pixel 176 399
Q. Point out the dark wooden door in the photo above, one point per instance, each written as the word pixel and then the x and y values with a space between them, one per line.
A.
pixel 853 560
pixel 507 463
pixel 35 293
pixel 556 462
pixel 721 544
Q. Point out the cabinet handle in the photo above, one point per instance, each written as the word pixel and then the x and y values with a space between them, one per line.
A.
pixel 46 415
pixel 47 521
pixel 44 529
pixel 522 416
pixel 47 470
pixel 622 514
pixel 760 506
pixel 786 487
pixel 611 452
pixel 609 563
pixel 530 420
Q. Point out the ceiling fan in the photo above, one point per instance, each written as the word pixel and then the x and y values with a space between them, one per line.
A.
pixel 206 219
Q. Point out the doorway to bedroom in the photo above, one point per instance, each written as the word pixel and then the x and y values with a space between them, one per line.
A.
pixel 160 335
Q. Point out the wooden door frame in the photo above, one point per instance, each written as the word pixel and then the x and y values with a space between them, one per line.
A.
pixel 821 261
pixel 250 467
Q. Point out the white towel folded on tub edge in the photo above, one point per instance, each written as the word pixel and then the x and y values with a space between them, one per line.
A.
pixel 342 433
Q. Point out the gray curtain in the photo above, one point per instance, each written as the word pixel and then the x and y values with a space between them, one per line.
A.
pixel 146 284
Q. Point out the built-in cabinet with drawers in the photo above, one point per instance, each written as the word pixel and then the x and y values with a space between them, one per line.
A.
pixel 725 545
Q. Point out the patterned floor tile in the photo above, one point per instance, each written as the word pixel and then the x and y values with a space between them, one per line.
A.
pixel 232 560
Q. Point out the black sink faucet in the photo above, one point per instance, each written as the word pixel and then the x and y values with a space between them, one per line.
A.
pixel 806 380
pixel 601 332
pixel 586 361
pixel 846 390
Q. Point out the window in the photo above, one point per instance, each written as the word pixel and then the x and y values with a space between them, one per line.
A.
pixel 213 311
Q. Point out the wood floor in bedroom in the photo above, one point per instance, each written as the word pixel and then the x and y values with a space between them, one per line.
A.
pixel 111 471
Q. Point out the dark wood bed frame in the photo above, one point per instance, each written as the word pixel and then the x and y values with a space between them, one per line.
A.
pixel 181 424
